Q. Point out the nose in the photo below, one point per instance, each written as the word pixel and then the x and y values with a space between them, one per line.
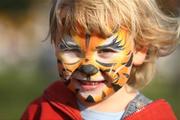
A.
pixel 88 69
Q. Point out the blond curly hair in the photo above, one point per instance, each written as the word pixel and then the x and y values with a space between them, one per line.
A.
pixel 147 24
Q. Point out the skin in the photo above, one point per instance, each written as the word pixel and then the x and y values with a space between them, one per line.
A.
pixel 94 58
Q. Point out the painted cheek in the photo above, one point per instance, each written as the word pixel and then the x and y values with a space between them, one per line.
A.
pixel 66 70
pixel 108 90
pixel 119 73
pixel 97 76
pixel 123 73
pixel 72 68
pixel 124 76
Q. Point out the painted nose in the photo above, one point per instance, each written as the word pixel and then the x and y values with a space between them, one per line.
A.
pixel 88 69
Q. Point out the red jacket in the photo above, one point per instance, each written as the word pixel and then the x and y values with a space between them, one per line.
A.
pixel 58 103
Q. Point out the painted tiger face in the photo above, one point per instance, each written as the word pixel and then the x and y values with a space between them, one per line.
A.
pixel 93 67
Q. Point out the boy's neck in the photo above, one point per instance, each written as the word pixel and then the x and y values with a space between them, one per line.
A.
pixel 117 102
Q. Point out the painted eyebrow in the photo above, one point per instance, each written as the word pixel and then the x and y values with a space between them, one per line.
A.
pixel 114 44
pixel 68 44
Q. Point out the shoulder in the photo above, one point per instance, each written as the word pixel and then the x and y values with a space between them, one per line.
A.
pixel 144 108
pixel 32 110
pixel 55 96
pixel 59 92
pixel 137 103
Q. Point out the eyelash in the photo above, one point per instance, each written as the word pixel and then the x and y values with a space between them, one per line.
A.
pixel 72 50
pixel 107 50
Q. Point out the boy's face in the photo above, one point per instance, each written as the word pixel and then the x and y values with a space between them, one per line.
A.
pixel 94 67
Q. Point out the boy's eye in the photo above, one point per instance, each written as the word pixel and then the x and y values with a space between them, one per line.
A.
pixel 106 53
pixel 72 50
pixel 71 55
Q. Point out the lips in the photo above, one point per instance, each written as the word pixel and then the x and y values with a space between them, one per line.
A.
pixel 90 85
pixel 90 82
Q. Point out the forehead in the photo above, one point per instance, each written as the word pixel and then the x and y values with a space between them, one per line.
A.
pixel 94 39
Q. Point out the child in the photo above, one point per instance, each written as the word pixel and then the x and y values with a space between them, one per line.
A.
pixel 106 50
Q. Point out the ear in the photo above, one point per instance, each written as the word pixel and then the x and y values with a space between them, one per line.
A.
pixel 139 56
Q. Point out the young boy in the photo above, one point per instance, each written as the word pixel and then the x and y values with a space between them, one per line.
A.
pixel 106 50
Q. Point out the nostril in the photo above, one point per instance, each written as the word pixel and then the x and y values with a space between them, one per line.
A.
pixel 86 60
pixel 88 69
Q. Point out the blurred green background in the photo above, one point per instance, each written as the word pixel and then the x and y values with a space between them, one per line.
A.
pixel 28 65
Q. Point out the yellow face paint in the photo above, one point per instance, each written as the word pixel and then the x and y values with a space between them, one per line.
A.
pixel 93 67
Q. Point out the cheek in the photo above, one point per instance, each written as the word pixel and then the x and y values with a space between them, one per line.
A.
pixel 67 64
pixel 71 68
pixel 119 73
pixel 123 76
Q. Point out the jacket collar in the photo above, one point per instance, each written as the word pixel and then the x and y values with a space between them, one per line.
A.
pixel 62 98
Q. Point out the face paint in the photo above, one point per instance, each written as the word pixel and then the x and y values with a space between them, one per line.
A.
pixel 94 68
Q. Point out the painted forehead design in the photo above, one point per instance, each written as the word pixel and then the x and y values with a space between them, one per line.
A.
pixel 68 42
pixel 111 42
pixel 88 36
